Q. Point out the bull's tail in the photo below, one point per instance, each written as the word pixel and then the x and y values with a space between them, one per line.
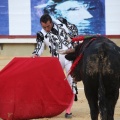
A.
pixel 101 89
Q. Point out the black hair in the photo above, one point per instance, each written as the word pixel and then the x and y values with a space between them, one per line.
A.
pixel 45 18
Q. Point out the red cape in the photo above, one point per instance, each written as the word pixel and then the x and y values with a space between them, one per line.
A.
pixel 33 88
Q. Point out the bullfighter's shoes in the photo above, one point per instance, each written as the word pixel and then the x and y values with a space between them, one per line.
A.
pixel 68 115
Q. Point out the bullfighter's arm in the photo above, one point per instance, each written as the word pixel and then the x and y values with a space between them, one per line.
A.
pixel 71 50
pixel 40 45
pixel 72 28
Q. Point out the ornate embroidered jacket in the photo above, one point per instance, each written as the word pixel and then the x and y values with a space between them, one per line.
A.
pixel 57 38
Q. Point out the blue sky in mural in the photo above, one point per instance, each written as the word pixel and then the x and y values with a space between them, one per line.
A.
pixel 35 15
pixel 4 22
pixel 88 15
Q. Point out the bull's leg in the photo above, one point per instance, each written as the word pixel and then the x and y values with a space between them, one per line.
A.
pixel 93 103
pixel 111 102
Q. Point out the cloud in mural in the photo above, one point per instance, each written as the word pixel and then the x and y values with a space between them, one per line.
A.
pixel 87 15
pixel 77 11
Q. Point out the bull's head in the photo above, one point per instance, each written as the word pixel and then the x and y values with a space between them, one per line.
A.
pixel 74 55
pixel 77 71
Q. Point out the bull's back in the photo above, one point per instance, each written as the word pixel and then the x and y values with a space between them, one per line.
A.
pixel 102 56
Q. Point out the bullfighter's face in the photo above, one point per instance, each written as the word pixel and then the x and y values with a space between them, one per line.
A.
pixel 47 26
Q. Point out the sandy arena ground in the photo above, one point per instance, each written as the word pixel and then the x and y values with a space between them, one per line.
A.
pixel 80 109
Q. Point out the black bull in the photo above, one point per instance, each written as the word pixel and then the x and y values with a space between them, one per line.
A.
pixel 99 69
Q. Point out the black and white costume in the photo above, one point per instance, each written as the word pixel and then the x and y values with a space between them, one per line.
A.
pixel 56 39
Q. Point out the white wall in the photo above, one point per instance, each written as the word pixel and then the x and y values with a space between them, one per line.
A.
pixel 19 17
pixel 112 17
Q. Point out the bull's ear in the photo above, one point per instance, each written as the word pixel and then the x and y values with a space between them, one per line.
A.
pixel 70 56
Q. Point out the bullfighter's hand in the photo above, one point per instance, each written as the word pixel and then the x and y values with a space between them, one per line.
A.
pixel 61 51
pixel 66 51
pixel 34 56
